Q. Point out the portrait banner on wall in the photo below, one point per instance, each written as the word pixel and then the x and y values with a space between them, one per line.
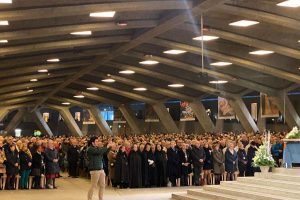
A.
pixel 46 116
pixel 268 107
pixel 254 111
pixel 225 111
pixel 150 115
pixel 87 117
pixel 77 116
pixel 186 112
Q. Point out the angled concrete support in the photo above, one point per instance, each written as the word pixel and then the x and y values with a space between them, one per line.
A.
pixel 287 109
pixel 131 119
pixel 243 114
pixel 219 125
pixel 165 118
pixel 202 116
pixel 42 123
pixel 3 113
pixel 261 123
pixel 69 120
pixel 16 120
pixel 100 122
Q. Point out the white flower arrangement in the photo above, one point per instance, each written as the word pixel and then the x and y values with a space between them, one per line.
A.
pixel 293 134
pixel 263 156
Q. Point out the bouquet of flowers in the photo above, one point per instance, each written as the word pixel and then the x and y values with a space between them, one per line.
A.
pixel 293 134
pixel 263 157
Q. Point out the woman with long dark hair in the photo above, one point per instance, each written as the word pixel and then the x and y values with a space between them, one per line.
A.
pixel 161 166
pixel 122 168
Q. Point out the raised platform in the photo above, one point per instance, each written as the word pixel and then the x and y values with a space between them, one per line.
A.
pixel 281 184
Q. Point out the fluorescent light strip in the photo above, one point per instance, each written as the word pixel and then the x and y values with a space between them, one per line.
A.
pixel 92 88
pixel 206 38
pixel 43 70
pixel 108 80
pixel 4 23
pixel 33 80
pixel 149 62
pixel 290 3
pixel 106 14
pixel 218 82
pixel 5 1
pixel 82 33
pixel 220 63
pixel 3 41
pixel 244 23
pixel 174 51
pixel 53 60
pixel 261 52
pixel 79 96
pixel 127 72
pixel 140 89
pixel 65 103
pixel 176 85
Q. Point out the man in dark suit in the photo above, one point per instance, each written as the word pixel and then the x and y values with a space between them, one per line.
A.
pixel 173 163
pixel 73 158
pixel 198 157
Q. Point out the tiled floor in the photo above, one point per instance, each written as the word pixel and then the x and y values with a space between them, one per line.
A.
pixel 76 189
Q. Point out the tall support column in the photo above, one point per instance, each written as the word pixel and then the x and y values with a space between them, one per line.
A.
pixel 100 122
pixel 15 121
pixel 261 123
pixel 42 123
pixel 131 119
pixel 243 114
pixel 3 113
pixel 287 109
pixel 165 118
pixel 70 122
pixel 202 116
pixel 219 125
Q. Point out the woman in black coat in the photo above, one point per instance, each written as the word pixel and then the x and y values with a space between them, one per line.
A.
pixel 25 166
pixel 145 165
pixel 135 168
pixel 231 160
pixel 161 166
pixel 122 169
pixel 12 166
pixel 185 163
pixel 38 167
pixel 207 166
pixel 250 170
pixel 173 164
pixel 242 159
pixel 152 166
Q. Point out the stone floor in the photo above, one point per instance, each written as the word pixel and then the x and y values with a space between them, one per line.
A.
pixel 76 189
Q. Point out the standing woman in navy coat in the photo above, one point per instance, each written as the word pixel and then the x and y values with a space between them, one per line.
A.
pixel 173 164
pixel 231 160
pixel 12 166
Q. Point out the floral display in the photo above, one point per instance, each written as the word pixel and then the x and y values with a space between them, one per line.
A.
pixel 293 134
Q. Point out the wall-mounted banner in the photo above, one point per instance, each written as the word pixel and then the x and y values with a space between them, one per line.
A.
pixel 150 115
pixel 77 116
pixel 268 107
pixel 254 111
pixel 46 116
pixel 225 111
pixel 186 112
pixel 87 117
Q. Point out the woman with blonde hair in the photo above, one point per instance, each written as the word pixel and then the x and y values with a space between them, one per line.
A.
pixel 25 166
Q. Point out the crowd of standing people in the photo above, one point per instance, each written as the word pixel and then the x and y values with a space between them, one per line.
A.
pixel 153 160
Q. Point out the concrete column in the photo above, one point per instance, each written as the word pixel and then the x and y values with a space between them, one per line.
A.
pixel 165 118
pixel 287 109
pixel 261 123
pixel 42 123
pixel 15 121
pixel 100 122
pixel 243 114
pixel 202 116
pixel 131 119
pixel 115 129
pixel 85 129
pixel 3 113
pixel 219 125
pixel 70 122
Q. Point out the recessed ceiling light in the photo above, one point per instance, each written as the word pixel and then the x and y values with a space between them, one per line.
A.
pixel 218 82
pixel 43 70
pixel 206 38
pixel 174 52
pixel 244 23
pixel 176 85
pixel 107 14
pixel 220 63
pixel 122 23
pixel 290 3
pixel 29 90
pixel 149 62
pixel 261 52
pixel 79 96
pixel 108 80
pixel 4 23
pixel 65 103
pixel 53 60
pixel 82 33
pixel 140 89
pixel 92 88
pixel 5 1
pixel 3 41
pixel 33 80
pixel 126 72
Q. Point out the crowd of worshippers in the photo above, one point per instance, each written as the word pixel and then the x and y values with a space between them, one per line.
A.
pixel 153 160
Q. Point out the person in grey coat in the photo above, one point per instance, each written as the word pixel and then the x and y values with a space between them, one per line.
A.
pixel 52 165
pixel 218 162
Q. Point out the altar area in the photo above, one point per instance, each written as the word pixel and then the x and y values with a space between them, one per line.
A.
pixel 291 153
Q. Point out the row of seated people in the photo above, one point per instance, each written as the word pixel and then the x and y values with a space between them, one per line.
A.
pixel 153 160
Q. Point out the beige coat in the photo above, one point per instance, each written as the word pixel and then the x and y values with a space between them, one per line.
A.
pixel 111 163
pixel 218 162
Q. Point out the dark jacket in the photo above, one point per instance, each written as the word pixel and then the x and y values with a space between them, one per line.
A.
pixel 121 168
pixel 242 158
pixel 73 154
pixel 173 163
pixel 38 164
pixel 51 167
pixel 25 159
pixel 218 161
pixel 231 160
pixel 135 169
pixel 161 168
pixel 197 154
pixel 185 158
pixel 12 157
pixel 208 159
pixel 95 157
